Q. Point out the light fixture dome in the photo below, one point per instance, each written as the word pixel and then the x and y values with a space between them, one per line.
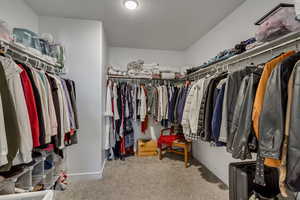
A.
pixel 131 4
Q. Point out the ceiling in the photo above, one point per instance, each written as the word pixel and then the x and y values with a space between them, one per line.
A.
pixel 156 24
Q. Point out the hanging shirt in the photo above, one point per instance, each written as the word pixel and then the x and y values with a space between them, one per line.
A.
pixel 115 100
pixel 60 110
pixel 109 114
pixel 12 72
pixel 52 114
pixel 70 109
pixel 143 112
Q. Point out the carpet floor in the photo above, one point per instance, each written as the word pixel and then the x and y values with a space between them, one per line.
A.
pixel 149 179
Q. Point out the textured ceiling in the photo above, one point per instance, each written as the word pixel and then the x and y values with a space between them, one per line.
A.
pixel 157 24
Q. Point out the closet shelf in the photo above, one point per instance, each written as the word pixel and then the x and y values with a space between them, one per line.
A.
pixel 11 48
pixel 248 55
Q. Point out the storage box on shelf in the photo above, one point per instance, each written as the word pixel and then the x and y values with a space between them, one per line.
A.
pixel 36 174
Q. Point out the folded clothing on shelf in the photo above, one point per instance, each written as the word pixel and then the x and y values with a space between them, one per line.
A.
pixel 27 38
pixel 167 75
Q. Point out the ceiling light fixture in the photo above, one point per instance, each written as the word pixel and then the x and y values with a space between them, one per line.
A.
pixel 131 4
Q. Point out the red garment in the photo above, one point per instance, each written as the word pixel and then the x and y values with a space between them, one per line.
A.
pixel 144 125
pixel 31 107
pixel 167 140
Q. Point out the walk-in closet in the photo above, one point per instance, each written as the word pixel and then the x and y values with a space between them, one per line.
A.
pixel 155 100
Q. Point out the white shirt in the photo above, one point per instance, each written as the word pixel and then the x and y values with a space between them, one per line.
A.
pixel 195 106
pixel 143 111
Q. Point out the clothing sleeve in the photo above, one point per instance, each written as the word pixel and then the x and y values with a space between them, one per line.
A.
pixel 223 129
pixel 3 140
pixel 194 117
pixel 26 144
pixel 271 126
pixel 187 107
pixel 143 105
pixel 52 113
pixel 108 107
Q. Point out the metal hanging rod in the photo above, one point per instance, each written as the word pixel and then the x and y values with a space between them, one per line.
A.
pixel 27 57
pixel 265 48
pixel 140 78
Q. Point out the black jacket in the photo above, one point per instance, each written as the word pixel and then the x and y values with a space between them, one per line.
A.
pixel 293 151
pixel 272 119
pixel 233 85
pixel 210 106
pixel 244 140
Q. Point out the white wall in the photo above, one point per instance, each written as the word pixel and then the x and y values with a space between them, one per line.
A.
pixel 120 57
pixel 236 27
pixel 18 14
pixel 83 41
pixel 104 59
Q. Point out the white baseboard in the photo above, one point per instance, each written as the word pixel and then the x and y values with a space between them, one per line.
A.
pixel 98 174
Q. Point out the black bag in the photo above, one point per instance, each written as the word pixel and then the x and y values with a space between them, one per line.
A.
pixel 241 185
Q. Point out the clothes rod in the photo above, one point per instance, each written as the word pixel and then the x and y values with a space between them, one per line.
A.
pixel 283 41
pixel 141 78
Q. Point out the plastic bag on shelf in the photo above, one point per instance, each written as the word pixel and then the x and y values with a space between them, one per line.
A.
pixel 278 25
pixel 5 31
pixel 57 51
pixel 27 38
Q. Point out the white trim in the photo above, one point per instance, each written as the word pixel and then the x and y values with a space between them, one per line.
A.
pixel 99 173
pixel 102 169
pixel 85 173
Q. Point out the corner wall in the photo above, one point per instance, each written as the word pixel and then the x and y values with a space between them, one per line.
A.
pixel 236 27
pixel 18 14
pixel 84 44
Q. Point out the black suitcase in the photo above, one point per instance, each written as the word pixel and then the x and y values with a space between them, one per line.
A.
pixel 241 185
pixel 235 184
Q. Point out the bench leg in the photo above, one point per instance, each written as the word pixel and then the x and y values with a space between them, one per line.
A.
pixel 160 154
pixel 186 156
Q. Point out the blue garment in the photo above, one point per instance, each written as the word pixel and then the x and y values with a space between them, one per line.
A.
pixel 172 105
pixel 217 115
pixel 181 104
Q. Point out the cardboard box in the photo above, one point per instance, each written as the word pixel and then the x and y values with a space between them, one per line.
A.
pixel 147 147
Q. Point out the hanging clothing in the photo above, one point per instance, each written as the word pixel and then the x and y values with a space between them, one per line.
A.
pixel 12 72
pixel 38 102
pixel 217 113
pixel 12 129
pixel 233 85
pixel 284 153
pixel 260 94
pixel 292 136
pixel 244 140
pixel 271 127
pixel 209 105
pixel 31 106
